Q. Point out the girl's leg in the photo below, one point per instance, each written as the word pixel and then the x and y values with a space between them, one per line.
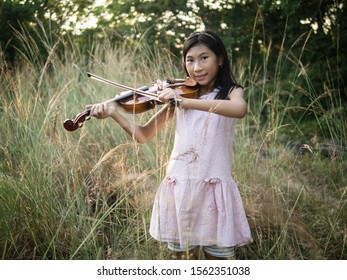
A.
pixel 219 253
pixel 209 257
pixel 191 253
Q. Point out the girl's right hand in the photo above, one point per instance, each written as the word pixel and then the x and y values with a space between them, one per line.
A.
pixel 102 110
pixel 168 95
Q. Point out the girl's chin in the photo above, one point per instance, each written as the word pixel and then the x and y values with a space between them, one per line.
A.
pixel 204 84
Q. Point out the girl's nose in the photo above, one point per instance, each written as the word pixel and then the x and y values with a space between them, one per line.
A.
pixel 197 67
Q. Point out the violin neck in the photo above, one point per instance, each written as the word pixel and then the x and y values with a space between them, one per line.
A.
pixel 127 94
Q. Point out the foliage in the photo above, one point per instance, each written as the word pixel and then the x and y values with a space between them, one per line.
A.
pixel 16 15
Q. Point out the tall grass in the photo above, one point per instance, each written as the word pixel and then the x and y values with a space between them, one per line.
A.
pixel 88 194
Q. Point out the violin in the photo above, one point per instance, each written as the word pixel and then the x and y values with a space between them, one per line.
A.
pixel 136 101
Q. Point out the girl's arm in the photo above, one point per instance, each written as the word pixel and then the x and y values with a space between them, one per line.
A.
pixel 141 133
pixel 234 107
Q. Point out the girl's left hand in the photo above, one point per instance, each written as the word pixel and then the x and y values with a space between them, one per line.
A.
pixel 102 110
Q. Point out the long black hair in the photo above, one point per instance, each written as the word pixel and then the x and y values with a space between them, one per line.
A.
pixel 225 80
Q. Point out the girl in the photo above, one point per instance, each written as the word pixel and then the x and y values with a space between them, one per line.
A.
pixel 198 202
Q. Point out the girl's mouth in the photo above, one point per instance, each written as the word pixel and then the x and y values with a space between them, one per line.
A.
pixel 200 77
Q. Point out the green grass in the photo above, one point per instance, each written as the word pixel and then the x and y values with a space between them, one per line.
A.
pixel 88 194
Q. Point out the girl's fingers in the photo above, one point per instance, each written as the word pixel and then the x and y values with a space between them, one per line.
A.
pixel 103 110
pixel 96 110
pixel 167 95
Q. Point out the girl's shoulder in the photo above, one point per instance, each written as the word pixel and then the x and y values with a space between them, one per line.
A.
pixel 236 92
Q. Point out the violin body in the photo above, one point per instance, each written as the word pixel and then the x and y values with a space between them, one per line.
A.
pixel 135 101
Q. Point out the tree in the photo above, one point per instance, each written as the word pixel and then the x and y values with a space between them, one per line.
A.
pixel 16 15
pixel 23 19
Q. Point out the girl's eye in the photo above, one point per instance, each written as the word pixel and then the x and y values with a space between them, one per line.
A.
pixel 204 57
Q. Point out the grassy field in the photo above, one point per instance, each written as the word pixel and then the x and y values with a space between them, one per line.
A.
pixel 88 194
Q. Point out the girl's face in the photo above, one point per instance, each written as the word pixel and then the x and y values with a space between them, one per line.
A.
pixel 202 65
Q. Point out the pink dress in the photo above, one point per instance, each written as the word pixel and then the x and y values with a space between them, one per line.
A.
pixel 198 202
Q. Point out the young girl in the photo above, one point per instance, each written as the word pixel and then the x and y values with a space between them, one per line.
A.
pixel 198 203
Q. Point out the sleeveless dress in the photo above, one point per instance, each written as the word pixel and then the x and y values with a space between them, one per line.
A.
pixel 198 202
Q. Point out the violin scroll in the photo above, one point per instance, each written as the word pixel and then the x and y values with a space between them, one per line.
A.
pixel 77 122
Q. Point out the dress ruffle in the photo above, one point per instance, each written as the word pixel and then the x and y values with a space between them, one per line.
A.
pixel 201 212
